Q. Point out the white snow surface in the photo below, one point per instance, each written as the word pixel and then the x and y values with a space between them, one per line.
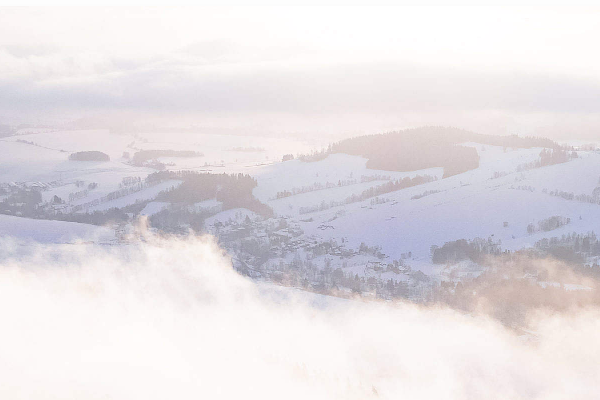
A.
pixel 45 231
pixel 142 195
pixel 465 206
pixel 333 169
pixel 154 207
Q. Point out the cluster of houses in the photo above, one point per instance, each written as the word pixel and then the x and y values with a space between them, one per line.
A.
pixel 279 250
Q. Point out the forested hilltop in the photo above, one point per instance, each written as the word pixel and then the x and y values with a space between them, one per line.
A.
pixel 427 147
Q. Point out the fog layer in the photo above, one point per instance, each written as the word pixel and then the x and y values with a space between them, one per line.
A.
pixel 171 319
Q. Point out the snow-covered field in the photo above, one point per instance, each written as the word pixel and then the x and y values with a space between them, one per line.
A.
pixel 469 205
pixel 81 140
pixel 154 207
pixel 222 153
pixel 335 169
pixel 52 231
pixel 44 158
pixel 498 200
pixel 148 193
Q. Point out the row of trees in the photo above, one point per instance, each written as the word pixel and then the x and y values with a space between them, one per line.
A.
pixel 330 185
pixel 463 249
pixel 548 157
pixel 122 192
pixel 548 224
pixel 571 247
pixel 374 191
pixel 89 156
pixel 314 187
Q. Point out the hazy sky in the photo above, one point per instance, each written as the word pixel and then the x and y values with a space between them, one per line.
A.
pixel 340 70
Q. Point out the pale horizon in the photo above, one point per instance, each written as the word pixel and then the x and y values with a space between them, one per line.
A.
pixel 304 70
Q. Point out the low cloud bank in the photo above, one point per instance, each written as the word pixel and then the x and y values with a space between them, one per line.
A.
pixel 169 318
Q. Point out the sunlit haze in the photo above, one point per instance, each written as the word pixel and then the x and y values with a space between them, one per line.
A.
pixel 302 70
pixel 300 202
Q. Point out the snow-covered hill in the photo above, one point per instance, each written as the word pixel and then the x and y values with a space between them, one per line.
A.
pixel 320 203
pixel 469 205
